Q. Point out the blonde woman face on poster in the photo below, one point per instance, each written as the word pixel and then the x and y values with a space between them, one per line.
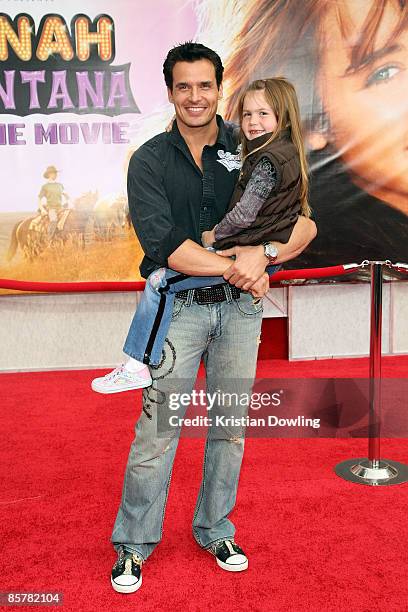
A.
pixel 367 104
pixel 354 54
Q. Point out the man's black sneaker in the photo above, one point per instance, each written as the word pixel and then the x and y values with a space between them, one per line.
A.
pixel 126 574
pixel 229 555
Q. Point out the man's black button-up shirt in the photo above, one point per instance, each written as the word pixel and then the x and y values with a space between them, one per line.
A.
pixel 170 199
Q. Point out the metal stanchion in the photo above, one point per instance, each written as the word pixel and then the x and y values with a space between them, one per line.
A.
pixel 374 471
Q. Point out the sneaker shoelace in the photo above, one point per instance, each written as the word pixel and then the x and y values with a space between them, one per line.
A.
pixel 115 373
pixel 137 559
pixel 228 543
pixel 128 562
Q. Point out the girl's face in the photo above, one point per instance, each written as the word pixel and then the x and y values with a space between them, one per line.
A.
pixel 367 107
pixel 257 116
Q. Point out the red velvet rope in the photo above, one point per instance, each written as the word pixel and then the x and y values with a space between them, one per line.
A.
pixel 400 267
pixel 90 287
pixel 308 273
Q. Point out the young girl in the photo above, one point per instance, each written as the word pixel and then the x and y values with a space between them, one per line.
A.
pixel 270 194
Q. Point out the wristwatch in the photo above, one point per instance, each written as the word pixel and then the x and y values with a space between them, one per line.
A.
pixel 271 252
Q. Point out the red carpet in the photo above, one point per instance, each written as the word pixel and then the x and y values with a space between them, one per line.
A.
pixel 315 542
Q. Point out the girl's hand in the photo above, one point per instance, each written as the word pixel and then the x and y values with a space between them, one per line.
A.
pixel 208 238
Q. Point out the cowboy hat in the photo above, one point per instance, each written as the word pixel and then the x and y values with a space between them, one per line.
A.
pixel 50 170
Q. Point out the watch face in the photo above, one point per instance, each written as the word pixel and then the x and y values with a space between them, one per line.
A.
pixel 271 250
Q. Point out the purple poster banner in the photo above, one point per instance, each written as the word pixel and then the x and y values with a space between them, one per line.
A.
pixel 81 88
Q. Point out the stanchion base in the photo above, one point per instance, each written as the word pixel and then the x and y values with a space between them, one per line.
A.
pixel 361 471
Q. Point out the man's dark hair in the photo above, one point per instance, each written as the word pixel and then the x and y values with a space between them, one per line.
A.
pixel 191 52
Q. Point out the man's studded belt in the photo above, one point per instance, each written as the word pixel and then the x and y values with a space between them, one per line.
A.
pixel 211 295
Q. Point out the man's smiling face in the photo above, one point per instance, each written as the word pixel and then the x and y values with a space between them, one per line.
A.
pixel 195 93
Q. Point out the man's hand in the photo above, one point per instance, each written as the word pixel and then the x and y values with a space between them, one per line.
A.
pixel 248 267
pixel 261 287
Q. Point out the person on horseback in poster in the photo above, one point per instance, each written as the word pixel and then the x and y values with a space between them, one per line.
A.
pixel 51 199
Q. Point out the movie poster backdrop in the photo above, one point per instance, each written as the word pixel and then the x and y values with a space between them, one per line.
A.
pixel 82 87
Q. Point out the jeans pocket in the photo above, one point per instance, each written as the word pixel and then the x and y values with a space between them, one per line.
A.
pixel 177 308
pixel 249 306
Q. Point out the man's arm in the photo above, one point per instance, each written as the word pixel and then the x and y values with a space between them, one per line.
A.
pixel 161 239
pixel 193 259
pixel 250 261
pixel 42 201
pixel 149 207
pixel 302 235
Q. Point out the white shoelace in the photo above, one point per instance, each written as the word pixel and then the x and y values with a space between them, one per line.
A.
pixel 228 544
pixel 115 373
pixel 230 548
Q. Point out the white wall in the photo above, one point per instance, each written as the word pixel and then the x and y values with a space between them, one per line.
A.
pixel 60 331
pixel 334 320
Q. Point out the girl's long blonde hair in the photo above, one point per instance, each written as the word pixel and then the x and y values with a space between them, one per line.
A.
pixel 281 97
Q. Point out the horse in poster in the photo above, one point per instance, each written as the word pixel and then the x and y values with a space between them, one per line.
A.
pixel 30 235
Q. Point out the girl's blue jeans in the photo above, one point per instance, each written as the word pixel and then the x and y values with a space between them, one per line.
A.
pixel 151 321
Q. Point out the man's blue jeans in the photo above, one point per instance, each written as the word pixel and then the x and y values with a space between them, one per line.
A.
pixel 150 324
pixel 226 335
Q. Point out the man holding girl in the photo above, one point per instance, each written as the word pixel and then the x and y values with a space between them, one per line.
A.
pixel 180 184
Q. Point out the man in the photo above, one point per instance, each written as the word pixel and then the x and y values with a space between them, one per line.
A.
pixel 50 199
pixel 179 185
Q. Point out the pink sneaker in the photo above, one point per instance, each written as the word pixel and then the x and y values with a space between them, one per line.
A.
pixel 120 379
